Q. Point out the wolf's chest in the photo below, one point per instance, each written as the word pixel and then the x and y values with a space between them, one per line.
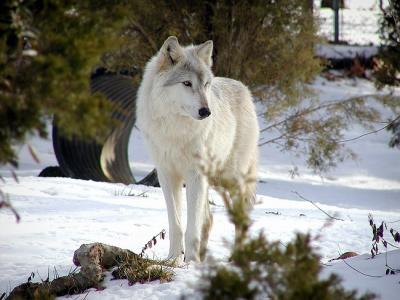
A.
pixel 181 145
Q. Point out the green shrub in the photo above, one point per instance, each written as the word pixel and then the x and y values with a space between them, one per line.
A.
pixel 387 69
pixel 260 269
pixel 47 52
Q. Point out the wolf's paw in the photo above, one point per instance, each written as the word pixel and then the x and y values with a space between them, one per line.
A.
pixel 177 260
pixel 192 256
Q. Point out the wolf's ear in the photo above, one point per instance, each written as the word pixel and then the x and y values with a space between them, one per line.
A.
pixel 172 51
pixel 204 52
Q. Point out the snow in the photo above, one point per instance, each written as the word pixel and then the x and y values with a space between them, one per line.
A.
pixel 388 284
pixel 59 214
pixel 364 22
pixel 331 51
pixel 358 21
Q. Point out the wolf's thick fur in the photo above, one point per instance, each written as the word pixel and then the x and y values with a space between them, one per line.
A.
pixel 185 112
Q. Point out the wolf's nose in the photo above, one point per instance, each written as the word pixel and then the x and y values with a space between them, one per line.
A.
pixel 204 112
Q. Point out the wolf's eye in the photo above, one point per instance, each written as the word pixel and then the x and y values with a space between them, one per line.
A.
pixel 206 84
pixel 187 83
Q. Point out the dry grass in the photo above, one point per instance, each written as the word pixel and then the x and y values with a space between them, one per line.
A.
pixel 142 270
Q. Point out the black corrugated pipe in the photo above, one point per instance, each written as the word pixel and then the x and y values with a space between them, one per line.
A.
pixel 107 161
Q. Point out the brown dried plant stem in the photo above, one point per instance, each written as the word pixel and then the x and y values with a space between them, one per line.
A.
pixel 5 203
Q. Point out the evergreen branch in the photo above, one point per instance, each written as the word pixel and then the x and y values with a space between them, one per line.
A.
pixel 310 110
pixel 144 34
pixel 395 17
pixel 331 217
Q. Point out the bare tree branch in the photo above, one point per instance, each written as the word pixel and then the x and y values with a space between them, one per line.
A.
pixel 358 271
pixel 329 216
pixel 371 132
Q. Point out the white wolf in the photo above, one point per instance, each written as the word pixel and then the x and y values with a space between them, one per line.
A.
pixel 184 112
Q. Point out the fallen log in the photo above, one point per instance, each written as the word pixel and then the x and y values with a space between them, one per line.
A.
pixel 93 259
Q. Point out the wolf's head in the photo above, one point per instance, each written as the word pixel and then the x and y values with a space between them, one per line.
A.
pixel 184 77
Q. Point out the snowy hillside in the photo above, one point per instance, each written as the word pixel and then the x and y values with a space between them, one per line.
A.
pixel 60 214
pixel 358 21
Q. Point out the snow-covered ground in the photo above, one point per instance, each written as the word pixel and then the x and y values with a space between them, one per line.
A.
pixel 60 214
pixel 358 21
pixel 363 21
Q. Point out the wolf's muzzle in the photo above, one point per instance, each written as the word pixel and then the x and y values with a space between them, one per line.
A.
pixel 204 112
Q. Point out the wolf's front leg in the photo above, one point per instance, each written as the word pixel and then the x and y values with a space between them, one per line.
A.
pixel 196 194
pixel 172 189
